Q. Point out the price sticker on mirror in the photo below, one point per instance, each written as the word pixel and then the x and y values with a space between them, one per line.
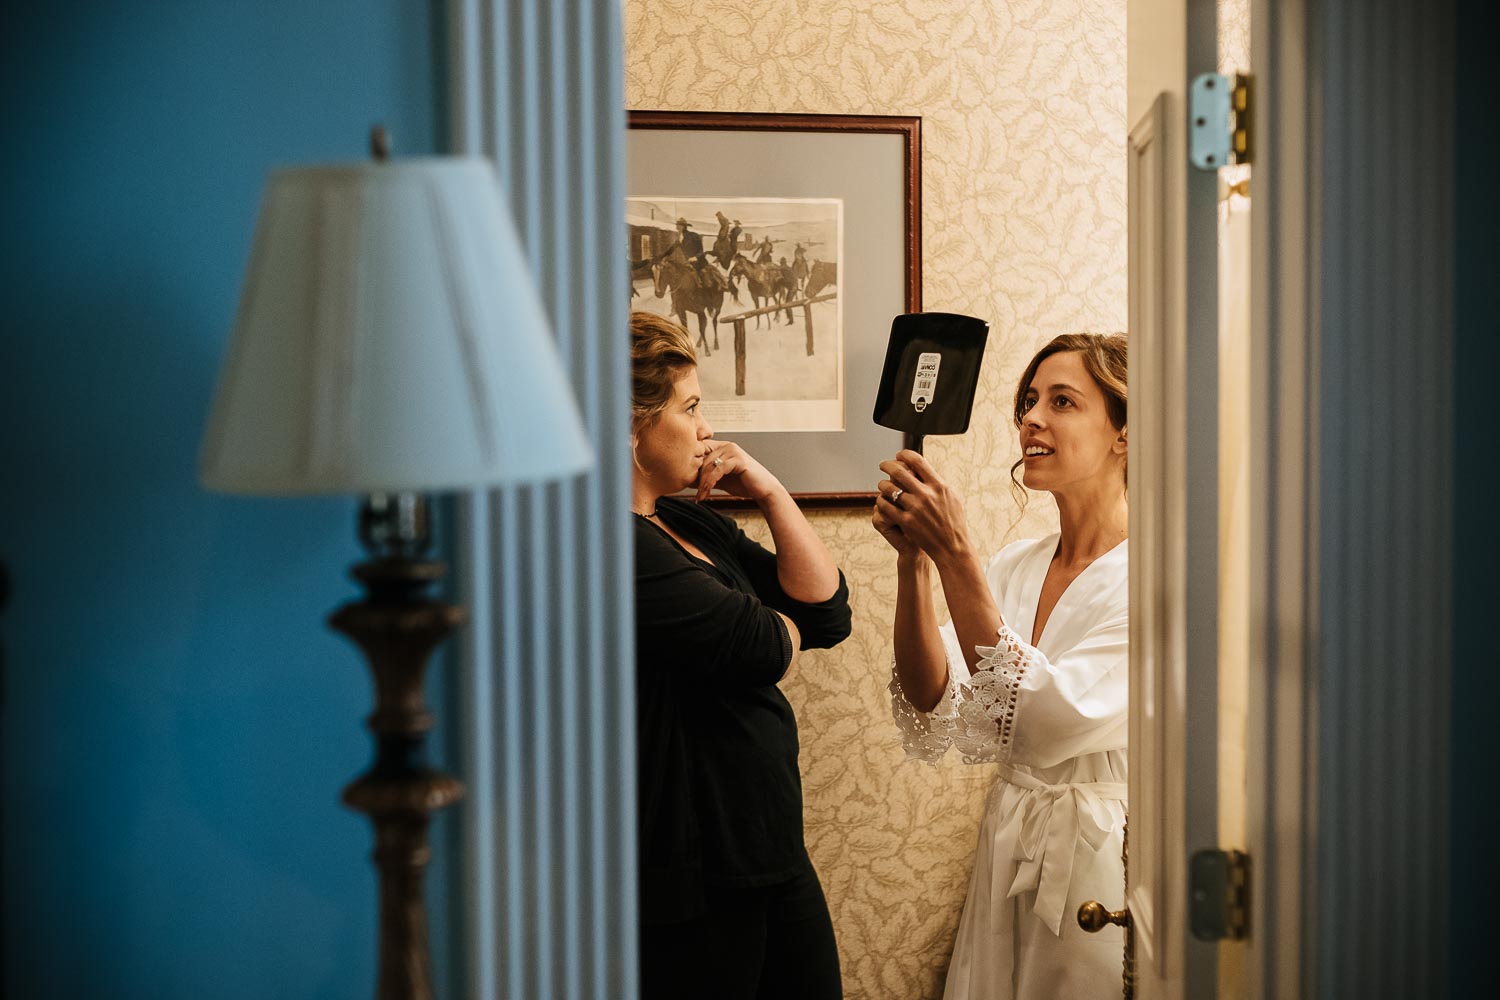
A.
pixel 925 384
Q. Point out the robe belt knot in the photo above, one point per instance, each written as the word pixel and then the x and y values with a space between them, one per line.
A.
pixel 1046 830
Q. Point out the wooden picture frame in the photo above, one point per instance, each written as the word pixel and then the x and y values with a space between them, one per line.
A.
pixel 871 167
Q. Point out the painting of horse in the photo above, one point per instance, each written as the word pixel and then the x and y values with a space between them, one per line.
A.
pixel 823 274
pixel 782 368
pixel 767 283
pixel 699 292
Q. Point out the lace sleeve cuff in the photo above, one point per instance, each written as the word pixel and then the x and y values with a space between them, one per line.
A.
pixel 977 713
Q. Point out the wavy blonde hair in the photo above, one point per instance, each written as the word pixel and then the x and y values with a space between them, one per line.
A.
pixel 1105 357
pixel 660 352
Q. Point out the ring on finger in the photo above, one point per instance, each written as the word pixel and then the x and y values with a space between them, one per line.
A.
pixel 895 496
pixel 718 461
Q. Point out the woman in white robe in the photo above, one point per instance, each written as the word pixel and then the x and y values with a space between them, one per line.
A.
pixel 1029 673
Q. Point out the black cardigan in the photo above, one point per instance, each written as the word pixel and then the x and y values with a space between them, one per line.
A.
pixel 720 795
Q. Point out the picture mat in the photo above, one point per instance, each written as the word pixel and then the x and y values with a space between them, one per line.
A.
pixel 865 170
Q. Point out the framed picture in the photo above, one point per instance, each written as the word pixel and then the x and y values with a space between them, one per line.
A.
pixel 785 244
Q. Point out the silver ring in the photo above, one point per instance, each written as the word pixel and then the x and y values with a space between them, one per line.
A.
pixel 718 461
pixel 895 494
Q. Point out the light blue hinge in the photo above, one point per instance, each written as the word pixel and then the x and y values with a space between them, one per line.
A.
pixel 1219 120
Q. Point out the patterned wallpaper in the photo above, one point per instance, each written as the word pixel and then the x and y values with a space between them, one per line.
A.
pixel 1234 36
pixel 1023 179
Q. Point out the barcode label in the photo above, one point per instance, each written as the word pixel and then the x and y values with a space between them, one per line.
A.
pixel 925 385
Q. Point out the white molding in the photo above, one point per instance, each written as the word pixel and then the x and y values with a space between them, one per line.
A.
pixel 546 888
pixel 1150 634
pixel 1174 477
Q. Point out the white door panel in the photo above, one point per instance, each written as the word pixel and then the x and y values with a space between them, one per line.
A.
pixel 1174 475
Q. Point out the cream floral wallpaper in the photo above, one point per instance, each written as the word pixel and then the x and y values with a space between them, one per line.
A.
pixel 1023 181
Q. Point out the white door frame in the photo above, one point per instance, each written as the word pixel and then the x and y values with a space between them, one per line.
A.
pixel 1281 806
pixel 1174 479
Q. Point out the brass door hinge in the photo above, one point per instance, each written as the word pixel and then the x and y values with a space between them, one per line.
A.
pixel 1219 120
pixel 1219 895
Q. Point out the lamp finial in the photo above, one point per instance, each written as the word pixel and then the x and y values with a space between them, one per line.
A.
pixel 380 143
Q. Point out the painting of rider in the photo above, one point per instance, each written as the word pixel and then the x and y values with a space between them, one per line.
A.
pixel 785 370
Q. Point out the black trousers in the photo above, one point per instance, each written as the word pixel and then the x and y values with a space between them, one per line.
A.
pixel 769 943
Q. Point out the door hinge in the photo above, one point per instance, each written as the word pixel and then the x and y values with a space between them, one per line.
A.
pixel 1219 890
pixel 1219 120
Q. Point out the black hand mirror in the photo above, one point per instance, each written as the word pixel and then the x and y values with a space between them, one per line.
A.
pixel 930 375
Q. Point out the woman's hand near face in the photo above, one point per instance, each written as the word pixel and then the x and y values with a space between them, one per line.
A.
pixel 927 512
pixel 803 566
pixel 730 468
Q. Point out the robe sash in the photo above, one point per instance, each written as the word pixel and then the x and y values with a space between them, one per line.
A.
pixel 1046 829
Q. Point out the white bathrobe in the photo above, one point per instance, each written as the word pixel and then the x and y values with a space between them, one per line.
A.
pixel 1053 718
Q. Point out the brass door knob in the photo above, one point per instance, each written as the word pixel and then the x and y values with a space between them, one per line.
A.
pixel 1094 917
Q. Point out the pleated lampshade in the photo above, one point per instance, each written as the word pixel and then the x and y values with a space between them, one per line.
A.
pixel 389 338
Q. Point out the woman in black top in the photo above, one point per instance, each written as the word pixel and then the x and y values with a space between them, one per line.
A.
pixel 730 904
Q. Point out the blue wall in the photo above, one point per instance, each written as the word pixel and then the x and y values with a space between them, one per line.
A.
pixel 177 720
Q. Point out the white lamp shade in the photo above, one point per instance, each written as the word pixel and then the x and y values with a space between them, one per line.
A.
pixel 389 339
